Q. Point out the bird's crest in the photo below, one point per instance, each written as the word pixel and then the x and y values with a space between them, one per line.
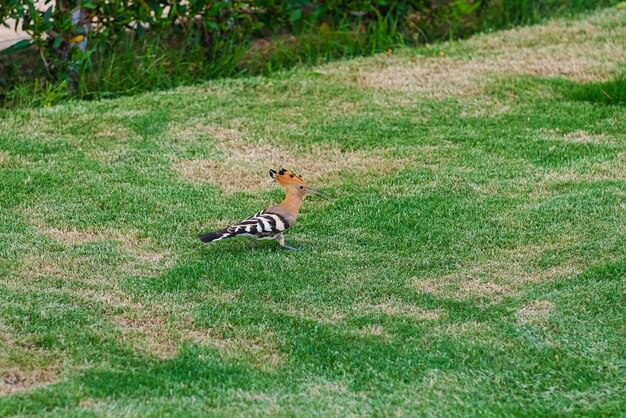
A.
pixel 286 178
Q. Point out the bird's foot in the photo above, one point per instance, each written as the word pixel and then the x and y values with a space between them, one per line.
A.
pixel 290 248
pixel 253 245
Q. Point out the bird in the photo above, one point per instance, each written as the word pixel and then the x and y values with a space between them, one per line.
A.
pixel 271 223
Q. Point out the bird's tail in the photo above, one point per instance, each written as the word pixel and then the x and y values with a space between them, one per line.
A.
pixel 216 236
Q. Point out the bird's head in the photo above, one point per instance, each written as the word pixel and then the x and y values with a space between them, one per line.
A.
pixel 293 183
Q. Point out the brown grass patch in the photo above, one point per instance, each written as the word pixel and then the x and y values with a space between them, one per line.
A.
pixel 397 308
pixel 89 280
pixel 613 170
pixel 469 287
pixel 15 380
pixel 331 315
pixel 536 313
pixel 264 352
pixel 553 178
pixel 576 137
pixel 159 329
pixel 462 329
pixel 71 236
pixel 338 315
pixel 540 185
pixel 189 132
pixel 138 255
pixel 24 365
pixel 115 131
pixel 584 137
pixel 244 166
pixel 586 50
pixel 373 330
pixel 327 389
pixel 148 329
pixel 4 157
pixel 504 273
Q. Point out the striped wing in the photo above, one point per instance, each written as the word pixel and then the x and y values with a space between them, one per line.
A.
pixel 260 225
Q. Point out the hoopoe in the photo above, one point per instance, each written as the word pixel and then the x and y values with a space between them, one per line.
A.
pixel 272 222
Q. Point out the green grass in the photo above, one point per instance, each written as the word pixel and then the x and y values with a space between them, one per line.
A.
pixel 471 262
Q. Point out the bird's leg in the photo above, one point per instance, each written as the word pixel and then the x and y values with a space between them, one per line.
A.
pixel 253 244
pixel 281 242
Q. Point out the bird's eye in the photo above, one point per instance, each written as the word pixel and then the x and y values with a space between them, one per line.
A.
pixel 301 187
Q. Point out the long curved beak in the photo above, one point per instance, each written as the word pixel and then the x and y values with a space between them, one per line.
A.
pixel 318 193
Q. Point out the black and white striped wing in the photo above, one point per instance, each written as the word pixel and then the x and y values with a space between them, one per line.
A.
pixel 260 225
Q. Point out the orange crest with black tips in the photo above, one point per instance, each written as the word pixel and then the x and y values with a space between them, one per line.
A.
pixel 286 178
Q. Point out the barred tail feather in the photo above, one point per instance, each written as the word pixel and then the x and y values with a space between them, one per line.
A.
pixel 215 236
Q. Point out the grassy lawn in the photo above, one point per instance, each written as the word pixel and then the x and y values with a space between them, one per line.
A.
pixel 471 262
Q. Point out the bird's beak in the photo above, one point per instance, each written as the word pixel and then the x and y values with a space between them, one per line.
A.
pixel 317 192
pixel 272 173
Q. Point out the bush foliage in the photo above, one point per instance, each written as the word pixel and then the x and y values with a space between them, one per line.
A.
pixel 94 48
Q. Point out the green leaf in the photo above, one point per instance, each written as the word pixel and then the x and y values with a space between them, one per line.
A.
pixel 19 46
pixel 88 4
pixel 57 42
pixel 47 15
pixel 295 15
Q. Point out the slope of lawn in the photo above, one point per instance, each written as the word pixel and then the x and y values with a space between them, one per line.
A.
pixel 472 259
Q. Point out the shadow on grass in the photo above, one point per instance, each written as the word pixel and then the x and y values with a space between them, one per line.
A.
pixel 611 92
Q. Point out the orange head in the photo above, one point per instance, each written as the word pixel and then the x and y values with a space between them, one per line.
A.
pixel 292 183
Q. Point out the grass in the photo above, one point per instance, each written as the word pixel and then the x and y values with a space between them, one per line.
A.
pixel 472 261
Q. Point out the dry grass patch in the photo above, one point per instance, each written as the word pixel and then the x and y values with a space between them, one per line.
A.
pixel 581 137
pixel 330 315
pixel 89 280
pixel 24 365
pixel 65 265
pixel 586 50
pixel 535 313
pixel 542 185
pixel 263 352
pixel 14 380
pixel 160 330
pixel 113 155
pixel 613 170
pixel 255 396
pixel 373 330
pixel 397 308
pixel 338 315
pixel 140 257
pixel 461 329
pixel 244 166
pixel 502 274
pixel 462 287
pixel 155 329
pixel 554 178
pixel 326 389
pixel 193 131
pixel 152 329
pixel 603 25
pixel 115 131
pixel 577 137
pixel 4 157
